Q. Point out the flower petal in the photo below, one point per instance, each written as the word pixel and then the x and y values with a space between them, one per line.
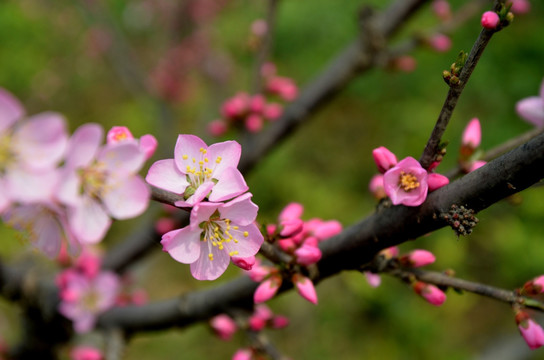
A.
pixel 84 145
pixel 229 153
pixel 11 110
pixel 165 175
pixel 532 110
pixel 247 245
pixel 89 221
pixel 187 151
pixel 126 198
pixel 205 268
pixel 231 184
pixel 201 192
pixel 31 186
pixel 183 244
pixel 123 157
pixel 241 210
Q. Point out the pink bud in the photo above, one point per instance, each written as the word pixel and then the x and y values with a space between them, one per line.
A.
pixel 148 145
pixel 520 6
pixel 256 323
pixel 429 292
pixel 311 241
pixel 534 287
pixel 305 288
pixel 263 311
pixel 436 181
pixel 271 229
pixel 384 159
pixel 442 9
pixel 476 165
pixel 287 245
pixel 244 263
pixel 85 353
pixel 405 63
pixel 254 123
pixel 291 211
pixel 217 128
pixel 258 272
pixel 308 255
pixel 490 20
pixel 376 187
pixel 236 106
pixel 242 354
pixel 279 322
pixel 472 136
pixel 267 289
pixel 118 134
pixel 531 332
pixel 291 227
pixel 327 229
pixel 272 111
pixel 284 87
pixel 257 103
pixel 164 225
pixel 440 42
pixel 223 326
pixel 417 258
pixel 373 280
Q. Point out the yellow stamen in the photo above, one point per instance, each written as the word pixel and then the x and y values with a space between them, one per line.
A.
pixel 407 181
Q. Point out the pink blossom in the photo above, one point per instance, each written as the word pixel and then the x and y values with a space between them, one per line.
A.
pixel 406 183
pixel 118 134
pixel 88 298
pixel 373 280
pixel 267 289
pixel 307 255
pixel 85 352
pixel 88 263
pixel 534 287
pixel 384 159
pixel 436 181
pixel 291 227
pixel 223 326
pixel 216 232
pixel 217 128
pixel 272 111
pixel 254 123
pixel 476 165
pixel 198 171
pixel 440 42
pixel 101 182
pixel 472 135
pixel 236 106
pixel 291 211
pixel 531 109
pixel 287 245
pixel 256 323
pixel 305 288
pixel 279 322
pixel 147 143
pixel 259 272
pixel 243 354
pixel 531 332
pixel 257 103
pixel 417 258
pixel 284 87
pixel 520 6
pixel 244 263
pixel 490 20
pixel 376 187
pixel 324 230
pixel 390 252
pixel 429 292
pixel 441 9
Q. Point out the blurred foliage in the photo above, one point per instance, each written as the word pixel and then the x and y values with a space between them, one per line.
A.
pixel 97 61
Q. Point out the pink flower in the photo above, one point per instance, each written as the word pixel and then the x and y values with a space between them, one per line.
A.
pixel 236 106
pixel 147 143
pixel 417 258
pixel 406 183
pixel 267 289
pixel 164 225
pixel 217 128
pixel 223 326
pixel 376 187
pixel 429 292
pixel 101 182
pixel 436 181
pixel 291 211
pixel 118 134
pixel 257 103
pixel 272 111
pixel 84 352
pixel 307 255
pixel 520 6
pixel 324 230
pixel 441 9
pixel 198 171
pixel 440 42
pixel 284 87
pixel 532 108
pixel 216 232
pixel 291 227
pixel 87 298
pixel 534 287
pixel 243 354
pixel 373 280
pixel 244 263
pixel 384 159
pixel 531 332
pixel 254 123
pixel 305 288
pixel 472 135
pixel 490 20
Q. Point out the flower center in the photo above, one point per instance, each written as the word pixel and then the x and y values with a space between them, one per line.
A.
pixel 407 181
pixel 217 232
pixel 93 180
pixel 90 300
pixel 200 172
pixel 7 156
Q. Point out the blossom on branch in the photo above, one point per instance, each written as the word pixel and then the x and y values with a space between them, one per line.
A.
pixel 531 331
pixel 531 109
pixel 406 183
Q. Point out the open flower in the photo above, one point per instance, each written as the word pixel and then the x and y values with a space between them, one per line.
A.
pixel 198 171
pixel 406 183
pixel 217 232
pixel 532 108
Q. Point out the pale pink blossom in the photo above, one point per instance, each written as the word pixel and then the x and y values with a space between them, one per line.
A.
pixel 429 292
pixel 198 172
pixel 520 6
pixel 147 143
pixel 472 135
pixel 531 109
pixel 85 352
pixel 384 159
pixel 436 181
pixel 217 128
pixel 490 20
pixel 406 183
pixel 373 280
pixel 324 230
pixel 216 232
pixel 307 255
pixel 305 287
pixel 376 187
pixel 440 42
pixel 417 258
pixel 100 183
pixel 267 289
pixel 223 326
pixel 441 9
pixel 244 263
pixel 531 331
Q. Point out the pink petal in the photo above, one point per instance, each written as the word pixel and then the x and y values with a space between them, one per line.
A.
pixel 436 181
pixel 67 191
pixel 84 145
pixel 267 289
pixel 124 157
pixel 305 288
pixel 206 269
pixel 231 184
pixel 26 186
pixel 247 245
pixel 472 135
pixel 89 221
pixel 229 151
pixel 127 197
pixel 148 145
pixel 11 110
pixel 183 245
pixel 165 175
pixel 241 210
pixel 188 146
pixel 201 192
pixel 4 199
pixel 202 212
pixel 532 110
pixel 291 211
pixel 106 284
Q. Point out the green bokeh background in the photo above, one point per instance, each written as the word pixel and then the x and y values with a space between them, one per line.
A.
pixel 46 60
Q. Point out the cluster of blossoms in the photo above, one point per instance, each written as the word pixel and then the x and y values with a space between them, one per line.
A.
pixel 531 109
pixel 225 327
pixel 531 331
pixel 300 239
pixel 222 220
pixel 413 259
pixel 75 201
pixel 250 111
pixel 404 182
